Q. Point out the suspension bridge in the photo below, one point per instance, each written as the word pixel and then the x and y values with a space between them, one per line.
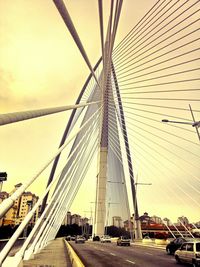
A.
pixel 137 113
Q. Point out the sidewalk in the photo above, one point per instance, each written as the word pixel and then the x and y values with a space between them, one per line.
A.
pixel 53 255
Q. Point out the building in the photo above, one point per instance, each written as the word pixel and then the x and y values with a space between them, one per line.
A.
pixel 76 219
pixel 68 219
pixel 156 219
pixel 84 221
pixel 182 220
pixel 167 221
pixel 197 224
pixel 20 208
pixel 9 217
pixel 117 221
pixel 3 195
pixel 145 219
pixel 25 204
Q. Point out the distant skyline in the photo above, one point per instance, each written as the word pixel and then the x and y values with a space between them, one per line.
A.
pixel 90 215
pixel 41 67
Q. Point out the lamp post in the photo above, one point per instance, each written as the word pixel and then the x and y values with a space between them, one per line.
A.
pixel 136 184
pixel 195 124
pixel 108 211
pixel 88 232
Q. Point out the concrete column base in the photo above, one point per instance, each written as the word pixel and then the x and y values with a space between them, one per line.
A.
pixel 37 249
pixel 28 254
pixel 138 232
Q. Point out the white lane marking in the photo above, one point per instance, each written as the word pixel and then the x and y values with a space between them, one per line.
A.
pixel 113 254
pixel 130 261
pixel 102 249
pixel 148 253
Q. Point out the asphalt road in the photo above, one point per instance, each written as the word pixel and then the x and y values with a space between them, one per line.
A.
pixel 96 254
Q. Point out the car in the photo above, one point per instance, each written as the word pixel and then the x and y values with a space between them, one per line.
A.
pixel 96 238
pixel 73 237
pixel 189 252
pixel 123 241
pixel 68 238
pixel 80 239
pixel 175 244
pixel 105 239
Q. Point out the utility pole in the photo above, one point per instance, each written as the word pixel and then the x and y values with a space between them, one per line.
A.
pixel 108 211
pixel 91 221
pixel 29 204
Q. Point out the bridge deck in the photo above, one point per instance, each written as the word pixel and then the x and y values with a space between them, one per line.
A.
pixel 53 255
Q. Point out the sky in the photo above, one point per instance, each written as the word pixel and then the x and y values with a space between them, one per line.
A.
pixel 40 67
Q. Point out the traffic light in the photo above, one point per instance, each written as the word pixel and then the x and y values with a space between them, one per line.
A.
pixel 3 176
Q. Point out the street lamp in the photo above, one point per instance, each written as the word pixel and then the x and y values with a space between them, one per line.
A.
pixel 136 184
pixel 195 124
pixel 115 182
pixel 143 183
pixel 108 211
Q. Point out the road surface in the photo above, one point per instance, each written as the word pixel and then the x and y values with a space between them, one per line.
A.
pixel 96 254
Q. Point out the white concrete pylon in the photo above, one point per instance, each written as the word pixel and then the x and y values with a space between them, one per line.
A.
pixel 101 193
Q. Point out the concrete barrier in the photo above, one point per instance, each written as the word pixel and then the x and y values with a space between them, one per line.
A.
pixel 75 260
pixel 161 242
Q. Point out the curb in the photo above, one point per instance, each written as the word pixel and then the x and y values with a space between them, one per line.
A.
pixel 75 260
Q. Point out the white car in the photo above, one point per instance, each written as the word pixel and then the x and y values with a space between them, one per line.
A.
pixel 79 239
pixel 189 252
pixel 105 239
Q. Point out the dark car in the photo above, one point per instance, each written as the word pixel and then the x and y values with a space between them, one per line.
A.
pixel 96 238
pixel 175 244
pixel 123 241
pixel 68 238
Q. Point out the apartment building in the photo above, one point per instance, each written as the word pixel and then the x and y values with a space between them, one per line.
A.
pixel 21 207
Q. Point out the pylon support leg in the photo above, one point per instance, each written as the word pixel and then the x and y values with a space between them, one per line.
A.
pixel 13 261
